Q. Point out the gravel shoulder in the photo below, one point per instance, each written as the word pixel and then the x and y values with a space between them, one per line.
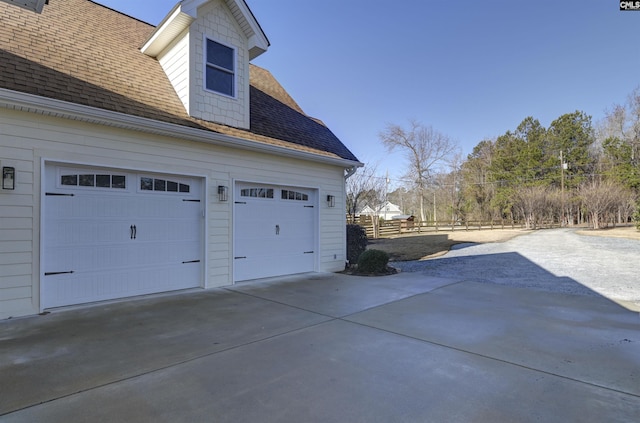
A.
pixel 564 260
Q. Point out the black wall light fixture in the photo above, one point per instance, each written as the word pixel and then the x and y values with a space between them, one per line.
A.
pixel 223 193
pixel 331 200
pixel 8 178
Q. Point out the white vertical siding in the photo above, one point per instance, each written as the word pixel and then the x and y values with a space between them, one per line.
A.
pixel 175 62
pixel 27 139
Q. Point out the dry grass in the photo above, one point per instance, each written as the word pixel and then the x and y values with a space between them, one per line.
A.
pixel 433 244
pixel 618 232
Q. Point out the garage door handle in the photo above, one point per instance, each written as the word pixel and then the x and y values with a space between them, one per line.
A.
pixel 134 231
pixel 277 229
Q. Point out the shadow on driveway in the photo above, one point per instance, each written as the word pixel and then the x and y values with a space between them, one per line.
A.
pixel 333 348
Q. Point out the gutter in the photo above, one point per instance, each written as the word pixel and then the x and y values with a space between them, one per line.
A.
pixel 30 103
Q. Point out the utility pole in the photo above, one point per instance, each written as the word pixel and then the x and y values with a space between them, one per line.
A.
pixel 562 167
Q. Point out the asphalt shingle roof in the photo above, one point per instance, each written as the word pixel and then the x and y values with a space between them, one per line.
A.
pixel 82 52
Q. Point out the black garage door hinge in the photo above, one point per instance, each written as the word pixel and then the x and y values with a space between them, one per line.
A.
pixel 58 194
pixel 240 202
pixel 308 207
pixel 308 252
pixel 191 261
pixel 192 201
pixel 240 257
pixel 57 273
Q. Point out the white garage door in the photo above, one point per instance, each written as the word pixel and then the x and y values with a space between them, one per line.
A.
pixel 112 234
pixel 274 231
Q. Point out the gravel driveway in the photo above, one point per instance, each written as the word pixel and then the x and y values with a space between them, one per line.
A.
pixel 557 260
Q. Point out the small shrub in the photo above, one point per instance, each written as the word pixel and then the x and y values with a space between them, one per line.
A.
pixel 356 242
pixel 373 261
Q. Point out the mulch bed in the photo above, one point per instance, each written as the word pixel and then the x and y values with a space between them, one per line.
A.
pixel 353 270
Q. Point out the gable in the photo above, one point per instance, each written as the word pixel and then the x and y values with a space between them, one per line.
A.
pixel 216 24
pixel 81 53
pixel 186 12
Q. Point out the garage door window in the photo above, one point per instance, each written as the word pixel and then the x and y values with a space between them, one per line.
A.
pixel 294 195
pixel 257 192
pixel 163 185
pixel 93 180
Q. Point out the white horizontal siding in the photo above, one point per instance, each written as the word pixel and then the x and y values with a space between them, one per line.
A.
pixel 17 226
pixel 22 292
pixel 333 226
pixel 15 281
pixel 16 307
pixel 36 138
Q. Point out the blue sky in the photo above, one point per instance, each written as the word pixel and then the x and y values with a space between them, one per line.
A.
pixel 470 69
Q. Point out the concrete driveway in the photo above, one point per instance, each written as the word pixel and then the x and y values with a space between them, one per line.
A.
pixel 411 347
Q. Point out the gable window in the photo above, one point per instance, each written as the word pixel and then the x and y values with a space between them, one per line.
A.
pixel 220 70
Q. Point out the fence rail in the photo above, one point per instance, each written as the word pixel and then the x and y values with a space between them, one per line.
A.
pixel 386 228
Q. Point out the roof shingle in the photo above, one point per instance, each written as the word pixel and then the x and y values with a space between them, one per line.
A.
pixel 82 52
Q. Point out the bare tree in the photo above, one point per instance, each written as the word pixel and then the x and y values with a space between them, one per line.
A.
pixel 363 187
pixel 532 203
pixel 623 122
pixel 425 150
pixel 603 201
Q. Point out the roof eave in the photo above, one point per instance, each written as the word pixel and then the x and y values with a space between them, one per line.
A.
pixel 15 100
pixel 173 25
pixel 258 41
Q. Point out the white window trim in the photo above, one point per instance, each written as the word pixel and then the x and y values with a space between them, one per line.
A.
pixel 206 38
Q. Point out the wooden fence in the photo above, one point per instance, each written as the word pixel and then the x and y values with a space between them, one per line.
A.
pixel 385 228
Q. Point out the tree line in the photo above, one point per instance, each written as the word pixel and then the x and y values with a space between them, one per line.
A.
pixel 571 172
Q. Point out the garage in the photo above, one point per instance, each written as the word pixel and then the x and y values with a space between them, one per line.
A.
pixel 109 233
pixel 275 231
